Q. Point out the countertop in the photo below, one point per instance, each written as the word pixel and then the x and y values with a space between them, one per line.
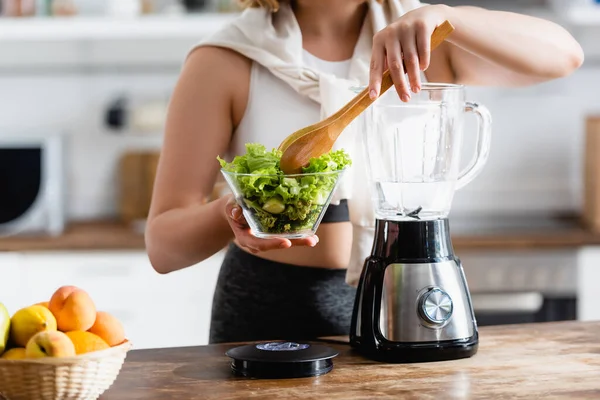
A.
pixel 546 360
pixel 89 235
pixel 517 233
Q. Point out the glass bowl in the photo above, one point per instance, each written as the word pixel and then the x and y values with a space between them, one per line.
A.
pixel 283 206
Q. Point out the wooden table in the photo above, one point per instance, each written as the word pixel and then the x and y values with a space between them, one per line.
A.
pixel 533 361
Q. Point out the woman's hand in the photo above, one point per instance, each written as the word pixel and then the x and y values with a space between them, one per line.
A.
pixel 241 230
pixel 404 47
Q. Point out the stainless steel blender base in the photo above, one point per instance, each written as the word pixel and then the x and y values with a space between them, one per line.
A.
pixel 425 303
pixel 413 302
pixel 400 353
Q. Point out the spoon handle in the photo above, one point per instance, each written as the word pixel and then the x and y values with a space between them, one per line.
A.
pixel 357 105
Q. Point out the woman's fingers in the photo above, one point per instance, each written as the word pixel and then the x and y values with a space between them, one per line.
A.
pixel 242 232
pixel 405 46
pixel 423 37
pixel 395 64
pixel 377 65
pixel 234 213
pixel 246 239
pixel 309 241
pixel 411 60
pixel 396 49
pixel 256 245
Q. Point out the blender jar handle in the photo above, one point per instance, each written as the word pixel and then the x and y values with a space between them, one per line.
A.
pixel 484 136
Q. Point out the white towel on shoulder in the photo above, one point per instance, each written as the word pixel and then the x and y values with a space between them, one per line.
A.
pixel 274 40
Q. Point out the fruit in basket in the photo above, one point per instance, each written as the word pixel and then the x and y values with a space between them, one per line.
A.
pixel 49 344
pixel 16 353
pixel 43 304
pixel 4 327
pixel 86 342
pixel 108 328
pixel 73 308
pixel 66 326
pixel 28 321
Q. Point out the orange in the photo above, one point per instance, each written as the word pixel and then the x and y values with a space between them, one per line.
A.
pixel 86 342
pixel 16 353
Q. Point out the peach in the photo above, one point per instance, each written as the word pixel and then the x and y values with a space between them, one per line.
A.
pixel 73 308
pixel 16 353
pixel 49 344
pixel 109 328
pixel 86 342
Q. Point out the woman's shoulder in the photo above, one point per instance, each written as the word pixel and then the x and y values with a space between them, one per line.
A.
pixel 221 61
pixel 224 70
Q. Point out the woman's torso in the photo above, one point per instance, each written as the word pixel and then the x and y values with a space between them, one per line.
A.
pixel 273 111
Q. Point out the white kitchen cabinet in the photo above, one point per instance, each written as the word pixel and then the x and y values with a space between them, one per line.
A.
pixel 148 41
pixel 156 310
pixel 588 278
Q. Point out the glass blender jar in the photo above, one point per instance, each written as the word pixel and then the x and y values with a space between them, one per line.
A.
pixel 413 151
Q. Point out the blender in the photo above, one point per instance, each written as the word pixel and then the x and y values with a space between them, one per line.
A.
pixel 413 303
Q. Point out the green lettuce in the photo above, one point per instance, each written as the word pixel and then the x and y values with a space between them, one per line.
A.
pixel 279 204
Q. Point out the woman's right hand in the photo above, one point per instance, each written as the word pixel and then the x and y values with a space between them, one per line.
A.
pixel 246 239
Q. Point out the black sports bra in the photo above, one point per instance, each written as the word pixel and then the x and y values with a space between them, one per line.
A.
pixel 337 213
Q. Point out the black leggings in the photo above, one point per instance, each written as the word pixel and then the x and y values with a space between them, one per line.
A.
pixel 257 299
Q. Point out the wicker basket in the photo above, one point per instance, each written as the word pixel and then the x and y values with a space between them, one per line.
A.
pixel 85 376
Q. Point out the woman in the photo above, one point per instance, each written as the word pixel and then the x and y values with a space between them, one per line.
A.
pixel 245 86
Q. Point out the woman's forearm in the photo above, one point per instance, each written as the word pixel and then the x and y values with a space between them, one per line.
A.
pixel 520 43
pixel 183 237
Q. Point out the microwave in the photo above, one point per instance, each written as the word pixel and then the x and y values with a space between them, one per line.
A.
pixel 32 178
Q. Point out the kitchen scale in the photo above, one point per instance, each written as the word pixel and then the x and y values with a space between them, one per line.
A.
pixel 413 303
pixel 277 360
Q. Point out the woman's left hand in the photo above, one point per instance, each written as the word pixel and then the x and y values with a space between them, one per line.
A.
pixel 404 47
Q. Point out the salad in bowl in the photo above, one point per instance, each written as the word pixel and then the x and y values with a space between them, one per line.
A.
pixel 279 205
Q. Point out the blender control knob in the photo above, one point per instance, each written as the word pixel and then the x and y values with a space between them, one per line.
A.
pixel 435 306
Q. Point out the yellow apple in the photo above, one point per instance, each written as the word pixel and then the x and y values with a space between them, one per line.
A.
pixel 49 344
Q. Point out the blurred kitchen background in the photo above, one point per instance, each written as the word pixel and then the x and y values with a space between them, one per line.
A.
pixel 84 85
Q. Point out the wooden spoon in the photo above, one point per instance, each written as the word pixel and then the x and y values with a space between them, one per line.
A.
pixel 318 139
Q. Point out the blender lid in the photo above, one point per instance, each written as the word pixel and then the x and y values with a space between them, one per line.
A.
pixel 281 360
